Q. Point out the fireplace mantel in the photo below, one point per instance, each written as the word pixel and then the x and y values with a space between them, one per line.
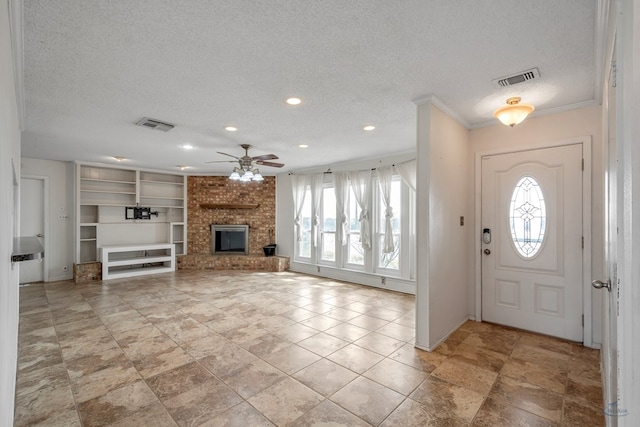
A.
pixel 228 206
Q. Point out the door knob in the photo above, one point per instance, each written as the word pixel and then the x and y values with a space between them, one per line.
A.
pixel 487 251
pixel 39 235
pixel 599 284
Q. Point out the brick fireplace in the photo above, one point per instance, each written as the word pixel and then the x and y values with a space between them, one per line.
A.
pixel 218 200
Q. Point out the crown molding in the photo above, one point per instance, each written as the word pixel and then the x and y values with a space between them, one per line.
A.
pixel 16 30
pixel 434 100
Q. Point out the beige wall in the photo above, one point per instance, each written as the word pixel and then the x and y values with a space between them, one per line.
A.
pixel 584 122
pixel 443 245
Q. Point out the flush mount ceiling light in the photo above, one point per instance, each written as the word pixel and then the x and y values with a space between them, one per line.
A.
pixel 182 167
pixel 230 128
pixel 369 127
pixel 303 146
pixel 187 146
pixel 513 113
pixel 119 158
pixel 294 101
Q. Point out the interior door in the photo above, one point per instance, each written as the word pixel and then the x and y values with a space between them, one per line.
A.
pixel 32 224
pixel 532 240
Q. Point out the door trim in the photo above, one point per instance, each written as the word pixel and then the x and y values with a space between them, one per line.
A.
pixel 585 141
pixel 47 234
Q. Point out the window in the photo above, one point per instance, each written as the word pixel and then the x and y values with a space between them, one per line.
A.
pixel 389 260
pixel 527 216
pixel 328 218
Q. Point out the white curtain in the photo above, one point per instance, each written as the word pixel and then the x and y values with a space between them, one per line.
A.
pixel 316 193
pixel 407 172
pixel 340 181
pixel 299 188
pixel 385 175
pixel 361 185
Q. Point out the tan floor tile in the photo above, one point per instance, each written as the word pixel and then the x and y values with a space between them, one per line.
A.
pixel 579 413
pixel 285 401
pixel 368 322
pixel 412 414
pixel 265 345
pixel 528 397
pixel 320 322
pixel 323 344
pixel 540 356
pixel 179 380
pixel 397 376
pixel 381 344
pixel 397 331
pixel 347 332
pixel 325 376
pixel 291 359
pixel 465 375
pixel 117 404
pixel 155 415
pixel 295 333
pixel 447 401
pixel 253 378
pixel 502 342
pixel 229 358
pixel 479 356
pixel 585 389
pixel 494 413
pixel 342 314
pixel 328 414
pixel 355 358
pixel 424 360
pixel 241 415
pixel 46 406
pixel 545 342
pixel 368 400
pixel 526 372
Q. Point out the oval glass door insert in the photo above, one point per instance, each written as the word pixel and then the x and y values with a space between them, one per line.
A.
pixel 527 217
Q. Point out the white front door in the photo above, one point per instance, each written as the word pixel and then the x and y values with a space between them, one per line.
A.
pixel 532 240
pixel 32 224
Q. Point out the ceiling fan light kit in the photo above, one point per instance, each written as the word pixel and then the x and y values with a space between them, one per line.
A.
pixel 513 113
pixel 246 171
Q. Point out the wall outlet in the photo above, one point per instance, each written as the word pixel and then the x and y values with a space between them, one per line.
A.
pixel 63 217
pixel 65 268
pixel 383 280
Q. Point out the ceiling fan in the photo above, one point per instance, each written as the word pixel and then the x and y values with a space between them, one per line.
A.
pixel 246 171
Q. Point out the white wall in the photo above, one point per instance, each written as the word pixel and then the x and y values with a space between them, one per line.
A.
pixel 9 154
pixel 552 128
pixel 444 195
pixel 59 240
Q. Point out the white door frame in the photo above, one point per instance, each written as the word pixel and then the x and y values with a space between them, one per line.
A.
pixel 586 225
pixel 47 237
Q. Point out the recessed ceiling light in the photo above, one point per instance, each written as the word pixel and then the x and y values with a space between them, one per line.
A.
pixel 182 167
pixel 187 146
pixel 231 128
pixel 119 158
pixel 294 101
pixel 369 127
pixel 303 146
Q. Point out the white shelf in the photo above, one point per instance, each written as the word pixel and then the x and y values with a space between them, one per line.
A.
pixel 115 257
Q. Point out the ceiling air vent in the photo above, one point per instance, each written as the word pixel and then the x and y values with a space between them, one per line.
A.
pixel 521 77
pixel 155 124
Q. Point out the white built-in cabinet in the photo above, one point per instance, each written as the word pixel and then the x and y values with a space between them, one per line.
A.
pixel 103 195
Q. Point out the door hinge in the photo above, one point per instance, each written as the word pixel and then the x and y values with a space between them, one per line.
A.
pixel 583 242
pixel 582 164
pixel 583 320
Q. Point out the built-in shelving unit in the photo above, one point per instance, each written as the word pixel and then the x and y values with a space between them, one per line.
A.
pixel 103 194
pixel 136 260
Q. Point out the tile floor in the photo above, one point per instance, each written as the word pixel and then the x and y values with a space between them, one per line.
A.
pixel 262 349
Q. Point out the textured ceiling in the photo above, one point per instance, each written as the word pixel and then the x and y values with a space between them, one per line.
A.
pixel 93 68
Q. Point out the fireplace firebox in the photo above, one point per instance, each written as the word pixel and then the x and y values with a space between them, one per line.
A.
pixel 229 239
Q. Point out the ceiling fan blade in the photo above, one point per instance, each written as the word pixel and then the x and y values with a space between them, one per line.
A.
pixel 272 164
pixel 220 152
pixel 265 157
pixel 223 161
